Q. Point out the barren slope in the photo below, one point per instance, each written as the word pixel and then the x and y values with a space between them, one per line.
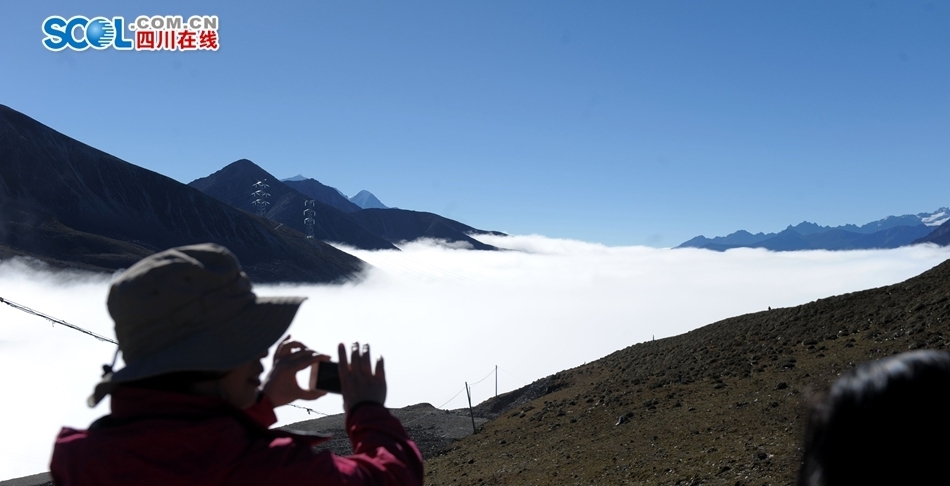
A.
pixel 723 404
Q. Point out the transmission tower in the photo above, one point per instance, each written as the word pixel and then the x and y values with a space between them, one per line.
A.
pixel 259 197
pixel 308 214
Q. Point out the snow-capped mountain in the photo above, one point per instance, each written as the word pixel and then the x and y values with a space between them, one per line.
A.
pixel 935 218
pixel 889 232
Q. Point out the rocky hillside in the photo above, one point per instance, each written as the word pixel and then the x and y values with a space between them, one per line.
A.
pixel 723 404
pixel 70 205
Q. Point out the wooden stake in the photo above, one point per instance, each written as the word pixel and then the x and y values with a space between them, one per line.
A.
pixel 471 412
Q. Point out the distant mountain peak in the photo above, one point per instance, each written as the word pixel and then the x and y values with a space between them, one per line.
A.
pixel 296 178
pixel 935 218
pixel 806 228
pixel 242 163
pixel 889 232
pixel 367 200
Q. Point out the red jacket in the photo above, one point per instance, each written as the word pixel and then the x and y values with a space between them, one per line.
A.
pixel 165 438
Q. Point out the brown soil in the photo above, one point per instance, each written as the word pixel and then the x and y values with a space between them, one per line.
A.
pixel 723 404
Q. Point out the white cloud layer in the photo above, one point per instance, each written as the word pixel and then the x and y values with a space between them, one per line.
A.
pixel 441 317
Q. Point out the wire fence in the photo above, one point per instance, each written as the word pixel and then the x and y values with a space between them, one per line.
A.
pixel 54 321
pixel 309 410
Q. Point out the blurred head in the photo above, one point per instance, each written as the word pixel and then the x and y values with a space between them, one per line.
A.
pixel 239 386
pixel 885 422
pixel 187 316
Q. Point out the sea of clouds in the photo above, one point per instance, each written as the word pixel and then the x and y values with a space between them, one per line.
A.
pixel 441 316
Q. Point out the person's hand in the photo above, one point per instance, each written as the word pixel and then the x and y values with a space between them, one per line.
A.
pixel 357 381
pixel 281 383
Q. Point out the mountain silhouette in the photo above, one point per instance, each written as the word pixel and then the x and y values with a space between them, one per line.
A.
pixel 322 193
pixel 890 232
pixel 399 225
pixel 71 205
pixel 232 185
pixel 368 229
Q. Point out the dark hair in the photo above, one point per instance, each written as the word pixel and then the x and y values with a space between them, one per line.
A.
pixel 886 422
pixel 178 381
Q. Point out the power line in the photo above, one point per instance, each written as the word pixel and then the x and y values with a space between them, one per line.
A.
pixel 483 379
pixel 463 389
pixel 449 400
pixel 259 197
pixel 308 214
pixel 54 320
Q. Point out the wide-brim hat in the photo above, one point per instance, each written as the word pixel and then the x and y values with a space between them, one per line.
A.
pixel 190 308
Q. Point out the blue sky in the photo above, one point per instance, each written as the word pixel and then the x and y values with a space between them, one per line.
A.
pixel 623 123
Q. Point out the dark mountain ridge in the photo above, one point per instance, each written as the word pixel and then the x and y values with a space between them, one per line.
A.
pixel 398 225
pixel 368 229
pixel 939 236
pixel 232 185
pixel 72 205
pixel 323 193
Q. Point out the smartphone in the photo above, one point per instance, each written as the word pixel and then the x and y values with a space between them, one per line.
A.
pixel 325 376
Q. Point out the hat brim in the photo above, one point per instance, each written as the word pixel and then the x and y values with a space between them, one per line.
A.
pixel 216 348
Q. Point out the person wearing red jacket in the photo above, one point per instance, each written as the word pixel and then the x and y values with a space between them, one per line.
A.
pixel 189 408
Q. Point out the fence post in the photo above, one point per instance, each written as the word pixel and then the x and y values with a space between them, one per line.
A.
pixel 471 412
